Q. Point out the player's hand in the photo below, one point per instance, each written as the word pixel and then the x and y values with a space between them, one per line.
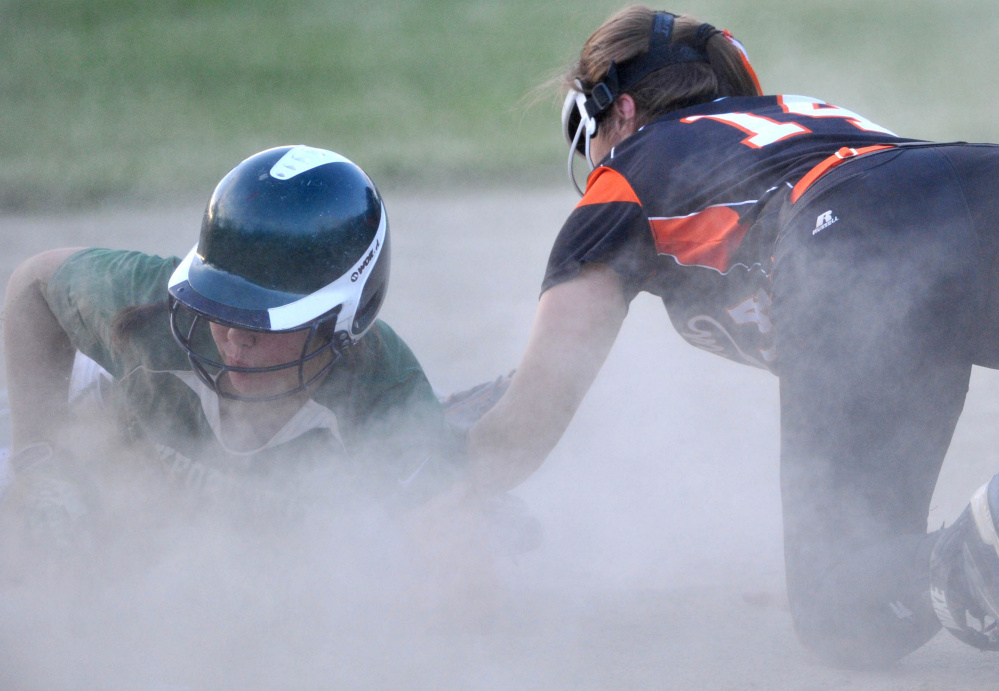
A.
pixel 510 526
pixel 456 576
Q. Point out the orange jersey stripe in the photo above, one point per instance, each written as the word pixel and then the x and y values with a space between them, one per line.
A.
pixel 607 185
pixel 844 154
pixel 707 238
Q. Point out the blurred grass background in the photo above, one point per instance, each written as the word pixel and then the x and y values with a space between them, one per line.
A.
pixel 136 102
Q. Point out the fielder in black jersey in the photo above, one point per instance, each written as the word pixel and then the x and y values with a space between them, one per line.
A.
pixel 797 236
pixel 678 211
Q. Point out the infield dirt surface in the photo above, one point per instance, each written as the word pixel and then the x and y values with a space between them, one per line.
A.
pixel 662 560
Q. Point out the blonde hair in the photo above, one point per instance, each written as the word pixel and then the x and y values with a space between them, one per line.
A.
pixel 625 35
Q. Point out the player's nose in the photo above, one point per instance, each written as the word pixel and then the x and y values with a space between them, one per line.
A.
pixel 241 338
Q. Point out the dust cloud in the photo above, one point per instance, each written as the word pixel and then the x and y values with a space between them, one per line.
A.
pixel 661 565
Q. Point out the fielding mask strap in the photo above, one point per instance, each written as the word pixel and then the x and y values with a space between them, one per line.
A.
pixel 582 106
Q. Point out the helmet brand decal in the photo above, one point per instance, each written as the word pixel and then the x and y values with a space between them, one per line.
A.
pixel 367 260
pixel 302 158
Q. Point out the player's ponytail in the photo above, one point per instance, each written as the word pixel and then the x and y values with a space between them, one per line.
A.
pixel 626 35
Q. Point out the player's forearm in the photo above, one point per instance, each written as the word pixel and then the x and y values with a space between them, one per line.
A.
pixel 511 442
pixel 38 355
pixel 574 329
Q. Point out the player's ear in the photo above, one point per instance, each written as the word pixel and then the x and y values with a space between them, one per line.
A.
pixel 625 109
pixel 623 119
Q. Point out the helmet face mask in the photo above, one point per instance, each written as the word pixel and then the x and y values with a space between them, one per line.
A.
pixel 578 128
pixel 193 332
pixel 583 106
pixel 293 239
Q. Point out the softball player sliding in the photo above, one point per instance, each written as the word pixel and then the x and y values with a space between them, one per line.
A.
pixel 252 370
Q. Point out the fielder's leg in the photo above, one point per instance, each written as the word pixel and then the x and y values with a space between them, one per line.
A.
pixel 873 315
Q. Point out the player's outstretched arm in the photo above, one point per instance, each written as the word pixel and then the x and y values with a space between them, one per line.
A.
pixel 37 353
pixel 574 328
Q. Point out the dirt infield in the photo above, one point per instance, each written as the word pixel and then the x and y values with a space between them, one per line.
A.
pixel 662 562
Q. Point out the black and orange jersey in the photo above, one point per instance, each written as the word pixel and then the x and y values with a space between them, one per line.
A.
pixel 681 210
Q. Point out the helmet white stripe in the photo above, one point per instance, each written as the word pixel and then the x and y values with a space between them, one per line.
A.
pixel 344 290
pixel 302 158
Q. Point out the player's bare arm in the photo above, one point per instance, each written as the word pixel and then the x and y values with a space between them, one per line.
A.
pixel 37 352
pixel 574 328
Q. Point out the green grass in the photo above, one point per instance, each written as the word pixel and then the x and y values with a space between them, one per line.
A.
pixel 126 101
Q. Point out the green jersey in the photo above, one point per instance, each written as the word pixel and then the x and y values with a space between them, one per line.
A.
pixel 373 424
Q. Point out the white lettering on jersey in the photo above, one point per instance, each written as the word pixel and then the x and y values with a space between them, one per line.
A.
pixel 705 339
pixel 206 482
pixel 762 130
pixel 824 220
pixel 899 609
pixel 814 108
pixel 754 310
pixel 701 338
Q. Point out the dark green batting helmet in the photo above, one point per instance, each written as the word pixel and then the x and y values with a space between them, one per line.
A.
pixel 292 238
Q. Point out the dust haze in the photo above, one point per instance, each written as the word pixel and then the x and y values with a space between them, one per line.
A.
pixel 661 565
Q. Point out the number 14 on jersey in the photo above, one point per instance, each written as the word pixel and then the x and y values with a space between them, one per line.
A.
pixel 763 131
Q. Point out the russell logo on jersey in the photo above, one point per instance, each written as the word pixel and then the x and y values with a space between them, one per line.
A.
pixel 823 221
